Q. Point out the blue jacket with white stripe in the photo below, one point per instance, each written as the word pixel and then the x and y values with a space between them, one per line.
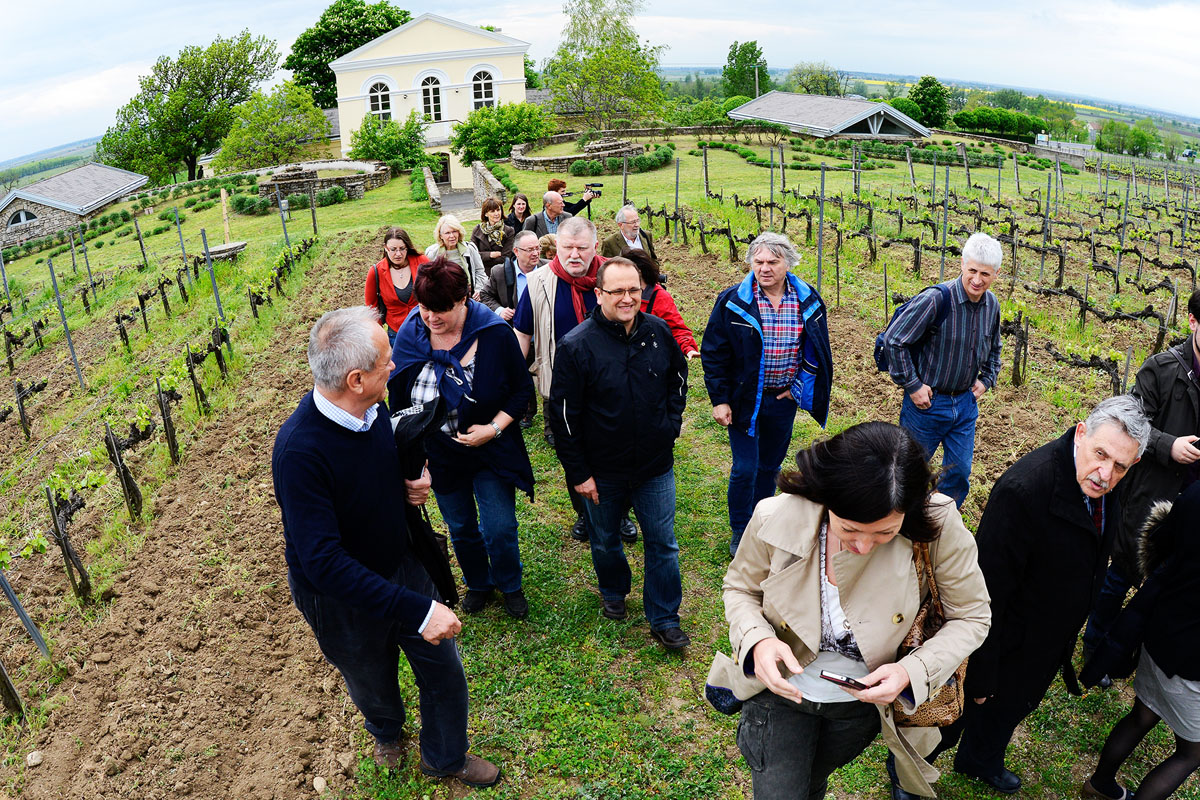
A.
pixel 732 349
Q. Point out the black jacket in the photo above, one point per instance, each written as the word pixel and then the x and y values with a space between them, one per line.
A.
pixel 616 401
pixel 1043 562
pixel 1170 394
pixel 1173 625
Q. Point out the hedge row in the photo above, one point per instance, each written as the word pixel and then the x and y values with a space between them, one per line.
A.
pixel 663 155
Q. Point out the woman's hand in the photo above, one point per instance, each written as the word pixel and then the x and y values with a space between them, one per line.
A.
pixel 886 682
pixel 477 435
pixel 767 655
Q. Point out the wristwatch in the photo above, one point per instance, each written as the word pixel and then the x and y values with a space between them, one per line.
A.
pixel 498 429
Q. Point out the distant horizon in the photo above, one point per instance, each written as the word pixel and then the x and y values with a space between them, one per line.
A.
pixel 1090 49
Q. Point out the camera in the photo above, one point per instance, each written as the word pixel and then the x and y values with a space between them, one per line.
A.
pixel 594 188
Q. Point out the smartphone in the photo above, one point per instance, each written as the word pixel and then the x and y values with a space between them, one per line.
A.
pixel 842 680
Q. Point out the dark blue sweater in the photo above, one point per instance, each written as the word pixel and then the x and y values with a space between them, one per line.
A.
pixel 344 533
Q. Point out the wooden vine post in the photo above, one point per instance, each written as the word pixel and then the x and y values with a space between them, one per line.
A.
pixel 129 487
pixel 81 584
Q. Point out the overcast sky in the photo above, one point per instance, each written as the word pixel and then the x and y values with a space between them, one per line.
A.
pixel 70 64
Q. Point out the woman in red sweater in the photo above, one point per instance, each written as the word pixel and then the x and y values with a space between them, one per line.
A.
pixel 390 282
pixel 657 300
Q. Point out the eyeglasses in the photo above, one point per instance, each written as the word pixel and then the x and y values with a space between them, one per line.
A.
pixel 530 249
pixel 622 292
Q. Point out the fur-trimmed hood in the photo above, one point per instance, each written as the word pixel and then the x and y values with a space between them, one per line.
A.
pixel 1152 551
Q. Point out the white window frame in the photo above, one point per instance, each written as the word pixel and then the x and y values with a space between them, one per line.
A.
pixel 483 90
pixel 432 101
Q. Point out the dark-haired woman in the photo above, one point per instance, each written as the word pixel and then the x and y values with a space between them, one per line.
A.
pixel 657 300
pixel 1167 683
pixel 462 351
pixel 518 212
pixel 390 282
pixel 824 579
pixel 491 237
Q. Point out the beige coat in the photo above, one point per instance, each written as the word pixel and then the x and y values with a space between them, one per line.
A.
pixel 772 590
pixel 542 286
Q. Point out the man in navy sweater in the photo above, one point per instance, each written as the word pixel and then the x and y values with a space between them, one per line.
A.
pixel 337 474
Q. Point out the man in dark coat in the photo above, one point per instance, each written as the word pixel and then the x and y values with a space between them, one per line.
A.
pixel 616 407
pixel 1168 385
pixel 1043 541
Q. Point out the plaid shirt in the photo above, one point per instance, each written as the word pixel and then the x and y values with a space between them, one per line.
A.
pixel 782 330
pixel 425 388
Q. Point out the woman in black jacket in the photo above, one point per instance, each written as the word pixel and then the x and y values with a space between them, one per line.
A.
pixel 1167 684
pixel 464 353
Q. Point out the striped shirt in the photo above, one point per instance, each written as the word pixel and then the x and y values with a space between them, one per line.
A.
pixel 782 329
pixel 965 348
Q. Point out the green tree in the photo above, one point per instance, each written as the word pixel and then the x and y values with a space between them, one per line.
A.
pixel 931 96
pixel 601 68
pixel 1143 138
pixel 892 90
pixel 1006 98
pixel 744 63
pixel 1172 145
pixel 344 26
pixel 185 106
pixel 1113 137
pixel 491 132
pixel 387 140
pixel 956 98
pixel 906 107
pixel 532 79
pixel 271 129
pixel 860 88
pixel 817 77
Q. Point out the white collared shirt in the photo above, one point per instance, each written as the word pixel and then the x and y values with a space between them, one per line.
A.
pixel 635 243
pixel 341 416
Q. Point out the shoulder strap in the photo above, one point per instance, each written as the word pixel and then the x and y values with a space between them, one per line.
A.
pixel 649 298
pixel 942 304
pixel 379 302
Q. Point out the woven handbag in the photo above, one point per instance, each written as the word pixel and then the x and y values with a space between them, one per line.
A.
pixel 946 704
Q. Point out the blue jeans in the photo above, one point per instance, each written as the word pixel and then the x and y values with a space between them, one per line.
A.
pixel 950 422
pixel 653 501
pixel 1109 602
pixel 484 542
pixel 366 651
pixel 756 461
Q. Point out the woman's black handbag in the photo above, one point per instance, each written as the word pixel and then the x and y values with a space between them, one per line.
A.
pixel 410 426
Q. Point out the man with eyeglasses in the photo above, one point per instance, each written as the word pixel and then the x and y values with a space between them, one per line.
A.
pixel 507 284
pixel 616 408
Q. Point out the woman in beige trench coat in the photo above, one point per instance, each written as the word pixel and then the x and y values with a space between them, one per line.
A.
pixel 825 580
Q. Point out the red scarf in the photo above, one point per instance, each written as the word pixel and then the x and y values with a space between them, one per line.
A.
pixel 584 283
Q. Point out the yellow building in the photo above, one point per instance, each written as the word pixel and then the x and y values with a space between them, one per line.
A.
pixel 435 66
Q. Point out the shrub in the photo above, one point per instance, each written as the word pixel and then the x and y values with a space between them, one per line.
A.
pixel 389 140
pixel 579 167
pixel 191 201
pixel 419 192
pixel 491 132
pixel 124 232
pixel 98 244
pixel 614 164
pixel 331 196
pixel 214 193
pixel 640 163
pixel 204 205
pixel 297 201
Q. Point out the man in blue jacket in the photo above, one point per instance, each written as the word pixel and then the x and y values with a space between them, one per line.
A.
pixel 353 577
pixel 765 354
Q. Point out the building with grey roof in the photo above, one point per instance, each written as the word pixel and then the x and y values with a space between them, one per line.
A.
pixel 827 117
pixel 63 201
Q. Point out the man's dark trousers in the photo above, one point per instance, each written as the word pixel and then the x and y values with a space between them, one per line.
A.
pixel 366 651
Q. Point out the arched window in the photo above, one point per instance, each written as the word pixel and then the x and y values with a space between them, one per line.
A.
pixel 381 100
pixel 21 217
pixel 481 85
pixel 431 98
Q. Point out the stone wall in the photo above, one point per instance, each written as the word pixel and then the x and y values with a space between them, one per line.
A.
pixel 486 185
pixel 49 220
pixel 1074 159
pixel 563 163
pixel 305 179
pixel 435 194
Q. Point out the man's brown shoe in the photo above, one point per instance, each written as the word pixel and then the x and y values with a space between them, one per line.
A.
pixel 476 772
pixel 389 756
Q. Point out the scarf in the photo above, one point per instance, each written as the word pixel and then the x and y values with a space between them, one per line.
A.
pixel 494 233
pixel 413 346
pixel 584 283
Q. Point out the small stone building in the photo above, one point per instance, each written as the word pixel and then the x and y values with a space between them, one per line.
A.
pixel 62 202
